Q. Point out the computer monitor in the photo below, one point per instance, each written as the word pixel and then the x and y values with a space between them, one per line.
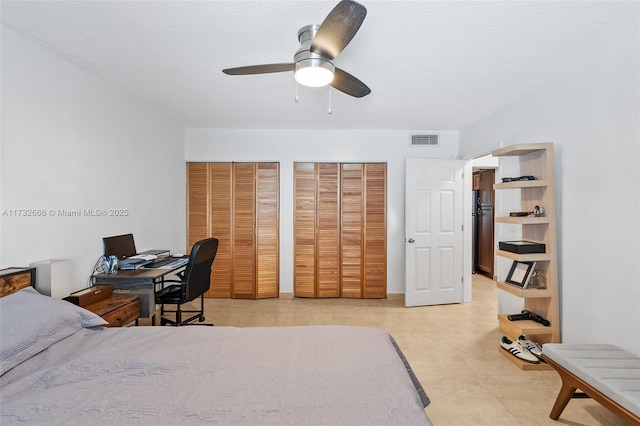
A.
pixel 119 246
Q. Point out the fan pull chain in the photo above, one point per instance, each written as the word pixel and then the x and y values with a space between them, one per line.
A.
pixel 330 111
pixel 296 98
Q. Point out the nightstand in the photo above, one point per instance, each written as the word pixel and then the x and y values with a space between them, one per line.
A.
pixel 117 310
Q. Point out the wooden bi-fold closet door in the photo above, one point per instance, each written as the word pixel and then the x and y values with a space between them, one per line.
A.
pixel 375 231
pixel 340 230
pixel 255 231
pixel 364 230
pixel 238 204
pixel 317 230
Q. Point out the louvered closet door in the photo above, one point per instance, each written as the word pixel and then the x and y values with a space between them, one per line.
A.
pixel 237 203
pixel 375 231
pixel 221 175
pixel 340 230
pixel 317 230
pixel 364 231
pixel 244 220
pixel 351 229
pixel 328 230
pixel 267 258
pixel 197 203
pixel 304 276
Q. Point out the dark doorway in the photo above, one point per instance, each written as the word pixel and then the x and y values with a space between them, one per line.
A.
pixel 483 221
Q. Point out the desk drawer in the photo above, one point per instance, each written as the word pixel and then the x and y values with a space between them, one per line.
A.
pixel 90 295
pixel 123 315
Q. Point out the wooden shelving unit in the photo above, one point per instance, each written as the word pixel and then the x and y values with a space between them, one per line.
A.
pixel 522 184
pixel 536 159
pixel 522 220
pixel 532 257
pixel 517 291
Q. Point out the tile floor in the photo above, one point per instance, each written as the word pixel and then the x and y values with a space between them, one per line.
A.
pixel 453 350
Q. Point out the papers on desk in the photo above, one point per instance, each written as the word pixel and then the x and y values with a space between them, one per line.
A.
pixel 175 264
pixel 130 263
pixel 148 257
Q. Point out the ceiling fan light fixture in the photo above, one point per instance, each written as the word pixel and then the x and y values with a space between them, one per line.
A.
pixel 319 45
pixel 314 72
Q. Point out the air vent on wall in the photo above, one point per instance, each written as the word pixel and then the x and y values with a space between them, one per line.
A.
pixel 425 140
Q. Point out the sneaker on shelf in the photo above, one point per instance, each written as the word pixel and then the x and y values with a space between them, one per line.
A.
pixel 533 347
pixel 519 350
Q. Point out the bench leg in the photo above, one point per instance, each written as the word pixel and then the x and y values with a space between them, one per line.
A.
pixel 564 396
pixel 570 383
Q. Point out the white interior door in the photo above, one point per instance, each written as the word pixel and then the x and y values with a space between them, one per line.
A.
pixel 433 232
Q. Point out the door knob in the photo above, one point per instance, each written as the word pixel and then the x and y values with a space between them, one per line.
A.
pixel 411 240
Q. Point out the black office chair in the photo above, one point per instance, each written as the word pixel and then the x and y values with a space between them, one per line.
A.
pixel 194 282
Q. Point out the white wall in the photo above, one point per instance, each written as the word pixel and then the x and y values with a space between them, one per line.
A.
pixel 71 141
pixel 289 146
pixel 593 117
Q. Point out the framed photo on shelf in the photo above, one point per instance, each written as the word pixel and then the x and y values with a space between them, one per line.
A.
pixel 520 273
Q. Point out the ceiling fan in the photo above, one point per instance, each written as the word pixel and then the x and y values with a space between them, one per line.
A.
pixel 319 45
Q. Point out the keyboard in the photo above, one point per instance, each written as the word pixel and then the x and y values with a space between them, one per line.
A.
pixel 161 262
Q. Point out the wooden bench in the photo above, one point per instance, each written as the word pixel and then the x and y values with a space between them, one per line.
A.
pixel 606 373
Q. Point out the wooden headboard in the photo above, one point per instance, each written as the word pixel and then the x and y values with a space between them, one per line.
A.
pixel 14 279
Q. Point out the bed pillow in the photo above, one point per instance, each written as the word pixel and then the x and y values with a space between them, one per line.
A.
pixel 31 322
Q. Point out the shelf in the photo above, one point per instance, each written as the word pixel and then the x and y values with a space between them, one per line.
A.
pixel 534 159
pixel 517 291
pixel 529 257
pixel 521 149
pixel 523 220
pixel 522 184
pixel 524 365
pixel 513 329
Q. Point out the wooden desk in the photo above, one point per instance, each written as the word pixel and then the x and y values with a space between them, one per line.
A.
pixel 140 282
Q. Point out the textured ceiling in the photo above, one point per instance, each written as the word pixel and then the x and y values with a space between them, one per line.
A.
pixel 429 64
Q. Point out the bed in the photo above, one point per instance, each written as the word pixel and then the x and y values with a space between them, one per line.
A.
pixel 59 365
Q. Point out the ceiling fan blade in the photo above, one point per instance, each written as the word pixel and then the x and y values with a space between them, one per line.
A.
pixel 338 28
pixel 259 69
pixel 346 83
